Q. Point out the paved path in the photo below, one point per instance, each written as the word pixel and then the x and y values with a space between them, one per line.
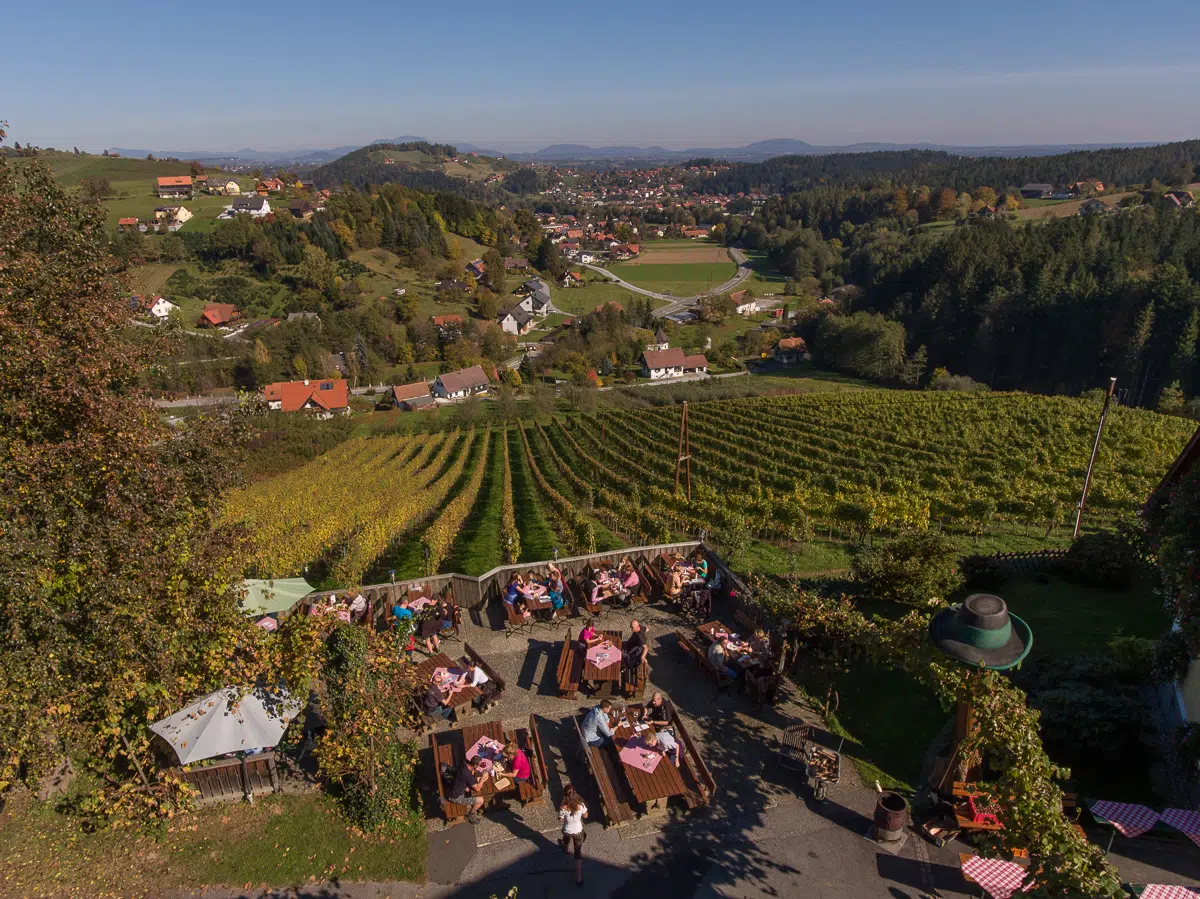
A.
pixel 676 304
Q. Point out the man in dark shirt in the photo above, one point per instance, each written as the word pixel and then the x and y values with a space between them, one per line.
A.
pixel 658 713
pixel 466 781
pixel 634 649
pixel 434 703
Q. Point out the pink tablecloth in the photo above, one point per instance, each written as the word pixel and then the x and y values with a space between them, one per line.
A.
pixel 1000 879
pixel 418 604
pixel 267 623
pixel 447 679
pixel 1131 820
pixel 602 655
pixel 485 746
pixel 1169 891
pixel 636 755
pixel 1185 821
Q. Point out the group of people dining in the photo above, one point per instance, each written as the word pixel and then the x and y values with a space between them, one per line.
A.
pixel 524 591
pixel 601 722
pixel 466 787
pixel 750 660
pixel 633 649
pixel 436 702
pixel 528 593
pixel 682 579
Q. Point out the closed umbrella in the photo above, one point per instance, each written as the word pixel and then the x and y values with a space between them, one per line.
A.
pixel 226 721
pixel 272 597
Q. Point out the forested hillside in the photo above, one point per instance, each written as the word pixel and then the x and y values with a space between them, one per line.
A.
pixel 419 165
pixel 1169 163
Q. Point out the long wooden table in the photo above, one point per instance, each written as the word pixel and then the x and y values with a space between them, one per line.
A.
pixel 709 630
pixel 450 748
pixel 604 678
pixel 655 787
pixel 459 698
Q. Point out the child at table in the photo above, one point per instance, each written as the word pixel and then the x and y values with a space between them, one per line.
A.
pixel 664 743
pixel 701 568
pixel 555 586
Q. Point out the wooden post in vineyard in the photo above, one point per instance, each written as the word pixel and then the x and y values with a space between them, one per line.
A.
pixel 1087 481
pixel 685 454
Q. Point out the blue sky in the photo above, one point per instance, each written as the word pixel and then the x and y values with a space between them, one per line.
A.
pixel 270 75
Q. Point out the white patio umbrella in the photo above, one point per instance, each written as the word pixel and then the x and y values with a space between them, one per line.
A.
pixel 226 721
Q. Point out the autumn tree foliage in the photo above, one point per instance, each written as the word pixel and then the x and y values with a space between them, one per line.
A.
pixel 116 600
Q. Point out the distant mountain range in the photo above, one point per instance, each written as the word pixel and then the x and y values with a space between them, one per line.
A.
pixel 583 154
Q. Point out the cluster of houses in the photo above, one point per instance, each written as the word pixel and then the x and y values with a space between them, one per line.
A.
pixel 166 218
pixel 533 305
pixel 1034 191
pixel 253 203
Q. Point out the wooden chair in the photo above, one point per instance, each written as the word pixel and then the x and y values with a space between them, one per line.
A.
pixel 515 622
pixel 652 581
pixel 570 668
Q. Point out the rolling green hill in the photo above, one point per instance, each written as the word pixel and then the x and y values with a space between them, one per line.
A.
pixel 71 169
pixel 420 165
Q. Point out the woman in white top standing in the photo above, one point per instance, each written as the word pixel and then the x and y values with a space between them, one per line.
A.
pixel 571 813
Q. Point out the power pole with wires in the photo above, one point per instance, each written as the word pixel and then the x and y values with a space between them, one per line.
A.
pixel 685 454
pixel 1087 481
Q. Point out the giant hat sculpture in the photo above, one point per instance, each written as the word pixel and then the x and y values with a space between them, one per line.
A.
pixel 982 633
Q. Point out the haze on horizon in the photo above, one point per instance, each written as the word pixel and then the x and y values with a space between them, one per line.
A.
pixel 289 76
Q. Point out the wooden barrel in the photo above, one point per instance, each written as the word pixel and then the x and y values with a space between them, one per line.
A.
pixel 891 814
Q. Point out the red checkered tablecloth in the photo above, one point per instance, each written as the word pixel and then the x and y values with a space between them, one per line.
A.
pixel 1185 821
pixel 1130 820
pixel 1169 891
pixel 1000 879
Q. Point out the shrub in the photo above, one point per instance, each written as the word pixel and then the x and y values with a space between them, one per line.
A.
pixel 960 383
pixel 916 569
pixel 345 652
pixel 983 572
pixel 1103 559
pixel 1171 658
pixel 388 801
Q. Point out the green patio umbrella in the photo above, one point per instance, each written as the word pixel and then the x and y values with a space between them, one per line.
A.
pixel 272 597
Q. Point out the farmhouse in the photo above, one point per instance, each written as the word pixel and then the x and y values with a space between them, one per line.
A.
pixel 462 383
pixel 1094 207
pixel 178 214
pixel 452 284
pixel 672 363
pixel 537 303
pixel 301 209
pixel 447 324
pixel 572 279
pixel 515 320
pixel 217 314
pixel 412 396
pixel 476 268
pixel 515 264
pixel 174 186
pixel 660 341
pixel 161 308
pixel 743 303
pixel 695 233
pixel 127 223
pixel 252 206
pixel 223 185
pixel 268 185
pixel 791 350
pixel 324 399
pixel 1178 199
pixel 1036 191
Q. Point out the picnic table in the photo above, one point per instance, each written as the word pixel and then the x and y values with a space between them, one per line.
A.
pixel 452 747
pixel 460 700
pixel 603 668
pixel 1000 879
pixel 713 630
pixel 652 781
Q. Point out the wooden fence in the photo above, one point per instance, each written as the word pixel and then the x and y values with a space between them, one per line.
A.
pixel 233 779
pixel 1028 562
pixel 474 593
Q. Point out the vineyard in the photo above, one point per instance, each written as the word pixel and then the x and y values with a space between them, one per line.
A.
pixel 837 465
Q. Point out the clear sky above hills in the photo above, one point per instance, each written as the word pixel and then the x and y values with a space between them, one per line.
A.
pixel 222 75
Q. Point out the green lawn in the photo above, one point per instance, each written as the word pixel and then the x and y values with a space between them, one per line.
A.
pixel 279 841
pixel 679 279
pixel 581 300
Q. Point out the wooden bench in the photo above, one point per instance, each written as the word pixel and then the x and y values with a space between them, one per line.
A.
pixel 534 792
pixel 701 785
pixel 720 678
pixel 634 683
pixel 570 668
pixel 616 799
pixel 583 604
pixel 745 623
pixel 489 671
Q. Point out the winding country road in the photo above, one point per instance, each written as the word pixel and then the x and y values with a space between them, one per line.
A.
pixel 677 304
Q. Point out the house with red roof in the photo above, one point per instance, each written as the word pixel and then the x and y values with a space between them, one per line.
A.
pixel 465 382
pixel 324 399
pixel 410 397
pixel 174 186
pixel 216 315
pixel 791 350
pixel 448 324
pixel 671 363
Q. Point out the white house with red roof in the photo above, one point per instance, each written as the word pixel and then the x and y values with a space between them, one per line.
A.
pixel 671 363
pixel 324 399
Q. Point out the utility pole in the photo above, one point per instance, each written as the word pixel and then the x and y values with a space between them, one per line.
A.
pixel 1087 481
pixel 685 454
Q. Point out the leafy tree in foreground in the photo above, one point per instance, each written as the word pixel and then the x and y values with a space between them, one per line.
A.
pixel 115 600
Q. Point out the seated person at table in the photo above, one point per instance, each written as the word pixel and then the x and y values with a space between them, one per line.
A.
pixel 596 729
pixel 447 614
pixel 701 567
pixel 673 583
pixel 716 657
pixel 513 597
pixel 657 712
pixel 555 587
pixel 588 636
pixel 627 579
pixel 517 762
pixel 591 591
pixel 665 743
pixel 634 649
pixel 463 790
pixel 760 645
pixel 401 611
pixel 477 677
pixel 434 704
